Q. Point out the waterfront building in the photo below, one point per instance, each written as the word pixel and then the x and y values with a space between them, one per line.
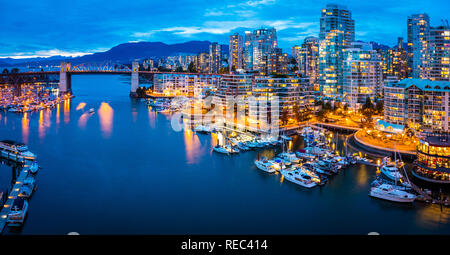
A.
pixel 337 31
pixel 418 35
pixel 433 159
pixel 235 58
pixel 258 44
pixel 292 94
pixel 418 103
pixel 215 57
pixel 307 58
pixel 191 85
pixel 362 74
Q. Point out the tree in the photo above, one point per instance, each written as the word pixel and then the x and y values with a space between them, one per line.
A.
pixel 5 71
pixel 284 116
pixel 379 107
pixel 191 68
pixel 179 69
pixel 15 70
pixel 297 114
pixel 233 68
pixel 368 104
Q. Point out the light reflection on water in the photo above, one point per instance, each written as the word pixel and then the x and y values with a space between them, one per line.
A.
pixel 83 120
pixel 192 146
pixel 81 106
pixel 25 128
pixel 66 111
pixel 106 115
pixel 432 217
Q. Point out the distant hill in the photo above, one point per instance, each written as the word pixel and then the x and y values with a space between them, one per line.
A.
pixel 123 53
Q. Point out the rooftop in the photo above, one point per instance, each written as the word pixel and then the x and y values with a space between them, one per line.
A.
pixel 438 140
pixel 423 84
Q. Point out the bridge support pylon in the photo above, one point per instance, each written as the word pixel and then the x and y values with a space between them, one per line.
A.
pixel 134 79
pixel 65 85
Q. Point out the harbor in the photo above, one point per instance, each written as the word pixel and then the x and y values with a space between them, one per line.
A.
pixel 167 172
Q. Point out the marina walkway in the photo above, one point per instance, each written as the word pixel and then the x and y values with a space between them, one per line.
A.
pixel 11 197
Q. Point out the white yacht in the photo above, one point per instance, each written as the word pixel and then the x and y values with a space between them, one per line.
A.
pixel 392 193
pixel 392 172
pixel 265 165
pixel 91 110
pixel 28 187
pixel 15 151
pixel 298 177
pixel 291 157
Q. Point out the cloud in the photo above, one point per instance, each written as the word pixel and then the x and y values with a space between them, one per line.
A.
pixel 47 53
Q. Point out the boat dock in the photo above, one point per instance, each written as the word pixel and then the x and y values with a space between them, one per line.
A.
pixel 11 197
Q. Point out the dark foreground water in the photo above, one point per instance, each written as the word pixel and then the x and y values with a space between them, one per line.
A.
pixel 123 170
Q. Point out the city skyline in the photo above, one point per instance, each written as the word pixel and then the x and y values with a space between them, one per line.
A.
pixel 78 28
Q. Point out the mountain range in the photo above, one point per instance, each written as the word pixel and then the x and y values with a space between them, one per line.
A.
pixel 122 53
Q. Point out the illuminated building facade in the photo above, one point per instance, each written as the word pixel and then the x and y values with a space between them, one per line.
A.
pixel 337 31
pixel 275 62
pixel 192 85
pixel 362 74
pixel 235 58
pixel 418 103
pixel 433 159
pixel 202 64
pixel 290 91
pixel 258 44
pixel 418 51
pixel 439 51
pixel 395 61
pixel 215 57
pixel 307 57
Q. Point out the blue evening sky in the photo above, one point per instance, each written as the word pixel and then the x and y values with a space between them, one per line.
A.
pixel 55 27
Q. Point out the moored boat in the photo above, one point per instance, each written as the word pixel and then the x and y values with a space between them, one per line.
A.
pixel 391 193
pixel 19 209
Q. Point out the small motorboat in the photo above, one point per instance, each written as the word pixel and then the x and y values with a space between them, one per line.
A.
pixel 28 186
pixel 265 165
pixel 19 209
pixel 291 157
pixel 220 149
pixel 33 167
pixel 391 172
pixel 90 111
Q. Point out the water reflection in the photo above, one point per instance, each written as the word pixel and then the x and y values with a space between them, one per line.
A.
pixel 57 113
pixel 83 120
pixel 41 125
pixel 431 216
pixel 66 111
pixel 362 177
pixel 81 106
pixel 106 114
pixel 193 146
pixel 152 117
pixel 25 128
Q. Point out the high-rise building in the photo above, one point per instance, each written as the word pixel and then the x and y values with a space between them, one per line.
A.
pixel 202 63
pixel 275 62
pixel 258 44
pixel 235 58
pixel 337 31
pixel 439 50
pixel 215 57
pixel 362 74
pixel 418 51
pixel 395 61
pixel 308 59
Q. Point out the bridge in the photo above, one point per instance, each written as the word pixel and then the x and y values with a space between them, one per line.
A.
pixel 67 70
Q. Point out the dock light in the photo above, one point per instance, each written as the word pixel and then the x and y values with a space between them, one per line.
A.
pixel 16 189
pixel 10 197
pixel 4 216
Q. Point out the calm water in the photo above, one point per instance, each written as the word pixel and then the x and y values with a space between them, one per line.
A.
pixel 123 170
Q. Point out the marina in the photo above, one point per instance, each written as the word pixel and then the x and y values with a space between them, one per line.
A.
pixel 212 190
